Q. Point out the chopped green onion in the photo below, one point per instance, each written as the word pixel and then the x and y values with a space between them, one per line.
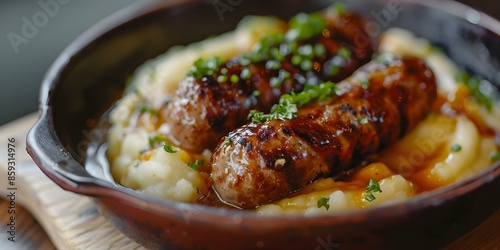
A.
pixel 456 148
pixel 339 8
pixel 363 120
pixel 306 65
pixel 222 79
pixel 370 197
pixel 288 104
pixel 204 67
pixel 283 74
pixel 372 187
pixel 324 202
pixel 196 164
pixel 275 82
pixel 275 53
pixel 155 139
pixel 244 60
pixel 168 148
pixel 285 110
pixel 365 83
pixel 256 116
pixel 273 65
pixel 234 79
pixel 319 50
pixel 245 74
pixel 296 59
pixel 145 108
pixel 385 59
pixel 285 49
pixel 331 70
pixel 495 156
pixel 481 90
pixel 344 52
pixel 304 26
pixel 306 51
pixel 227 140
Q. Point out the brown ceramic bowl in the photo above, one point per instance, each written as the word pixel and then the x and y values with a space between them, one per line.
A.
pixel 88 77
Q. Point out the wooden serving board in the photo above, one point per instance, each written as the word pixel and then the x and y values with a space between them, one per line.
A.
pixel 70 221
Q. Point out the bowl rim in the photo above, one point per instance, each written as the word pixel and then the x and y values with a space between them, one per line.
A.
pixel 95 187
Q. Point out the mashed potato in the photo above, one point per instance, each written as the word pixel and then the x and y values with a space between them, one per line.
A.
pixel 454 142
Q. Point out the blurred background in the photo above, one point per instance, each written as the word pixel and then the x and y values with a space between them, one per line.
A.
pixel 34 32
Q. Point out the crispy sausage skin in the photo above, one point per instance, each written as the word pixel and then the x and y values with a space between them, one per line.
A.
pixel 375 107
pixel 204 109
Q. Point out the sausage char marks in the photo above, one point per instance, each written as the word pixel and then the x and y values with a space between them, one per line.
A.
pixel 207 107
pixel 372 109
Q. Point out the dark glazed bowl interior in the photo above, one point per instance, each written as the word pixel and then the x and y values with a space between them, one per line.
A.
pixel 90 74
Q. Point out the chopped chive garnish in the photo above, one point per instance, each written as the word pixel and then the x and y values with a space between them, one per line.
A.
pixel 344 52
pixel 168 148
pixel 365 83
pixel 331 69
pixel 155 140
pixel 306 65
pixel 319 50
pixel 275 82
pixel 384 58
pixel 372 187
pixel 245 74
pixel 482 91
pixel 273 65
pixel 287 106
pixel 363 120
pixel 495 156
pixel 324 202
pixel 196 164
pixel 244 61
pixel 339 8
pixel 234 79
pixel 283 74
pixel 456 148
pixel 304 26
pixel 222 79
pixel 306 51
pixel 296 59
pixel 370 197
pixel 285 50
pixel 204 67
pixel 227 140
pixel 145 108
pixel 275 53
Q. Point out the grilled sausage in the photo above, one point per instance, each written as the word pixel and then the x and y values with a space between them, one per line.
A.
pixel 206 108
pixel 376 106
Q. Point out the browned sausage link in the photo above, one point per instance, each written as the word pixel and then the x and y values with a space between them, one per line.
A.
pixel 204 110
pixel 376 106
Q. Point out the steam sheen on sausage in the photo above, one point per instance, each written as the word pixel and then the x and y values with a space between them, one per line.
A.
pixel 203 110
pixel 375 107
